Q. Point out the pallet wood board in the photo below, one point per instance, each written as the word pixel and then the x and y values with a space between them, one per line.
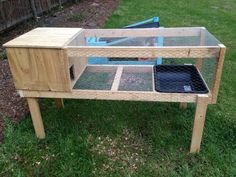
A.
pixel 44 38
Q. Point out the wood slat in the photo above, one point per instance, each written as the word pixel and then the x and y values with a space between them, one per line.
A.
pixel 116 81
pixel 115 95
pixel 44 38
pixel 147 32
pixel 149 52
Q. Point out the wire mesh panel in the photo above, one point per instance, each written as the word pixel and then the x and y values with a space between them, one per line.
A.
pixel 208 69
pixel 178 79
pixel 136 79
pixel 206 66
pixel 188 55
pixel 205 39
pixel 96 78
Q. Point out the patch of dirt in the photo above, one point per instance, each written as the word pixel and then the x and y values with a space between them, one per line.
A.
pixel 86 14
pixel 11 104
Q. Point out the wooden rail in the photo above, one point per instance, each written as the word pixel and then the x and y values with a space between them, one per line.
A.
pixel 148 52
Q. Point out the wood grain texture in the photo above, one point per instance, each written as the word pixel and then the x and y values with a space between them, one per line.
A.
pixel 147 32
pixel 199 61
pixel 36 117
pixel 198 125
pixel 59 103
pixel 183 105
pixel 218 73
pixel 148 52
pixel 39 69
pixel 116 81
pixel 79 63
pixel 115 95
pixel 44 38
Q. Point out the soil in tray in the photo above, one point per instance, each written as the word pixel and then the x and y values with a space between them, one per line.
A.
pixel 95 81
pixel 136 81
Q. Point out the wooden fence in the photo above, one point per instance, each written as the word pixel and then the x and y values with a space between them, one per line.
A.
pixel 15 11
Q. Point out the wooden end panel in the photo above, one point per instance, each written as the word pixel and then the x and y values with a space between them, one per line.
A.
pixel 39 69
pixel 77 67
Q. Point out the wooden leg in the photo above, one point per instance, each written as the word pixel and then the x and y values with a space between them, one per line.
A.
pixel 36 117
pixel 183 105
pixel 198 125
pixel 199 63
pixel 59 103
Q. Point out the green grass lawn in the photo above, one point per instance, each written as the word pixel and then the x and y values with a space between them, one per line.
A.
pixel 115 138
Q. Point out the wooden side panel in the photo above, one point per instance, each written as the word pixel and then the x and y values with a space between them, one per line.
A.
pixel 78 64
pixel 39 69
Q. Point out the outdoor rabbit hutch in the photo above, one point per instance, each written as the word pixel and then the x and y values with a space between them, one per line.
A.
pixel 52 63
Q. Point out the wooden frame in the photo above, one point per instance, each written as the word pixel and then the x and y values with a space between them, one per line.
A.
pixel 73 53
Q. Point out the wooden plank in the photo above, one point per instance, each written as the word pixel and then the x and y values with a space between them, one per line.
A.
pixel 198 125
pixel 147 32
pixel 59 103
pixel 78 64
pixel 44 38
pixel 115 95
pixel 107 65
pixel 218 73
pixel 183 105
pixel 36 117
pixel 199 61
pixel 39 69
pixel 101 68
pixel 79 69
pixel 148 52
pixel 77 39
pixel 116 81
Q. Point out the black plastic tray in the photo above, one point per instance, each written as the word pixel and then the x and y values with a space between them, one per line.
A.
pixel 178 79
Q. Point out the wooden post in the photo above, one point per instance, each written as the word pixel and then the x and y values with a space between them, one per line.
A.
pixel 183 105
pixel 59 103
pixel 36 117
pixel 199 121
pixel 33 7
pixel 199 61
pixel 219 68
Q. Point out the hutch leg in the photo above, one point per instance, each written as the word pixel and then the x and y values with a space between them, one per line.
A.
pixel 36 117
pixel 59 103
pixel 183 105
pixel 198 125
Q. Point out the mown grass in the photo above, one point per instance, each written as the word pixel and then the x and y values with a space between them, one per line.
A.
pixel 116 138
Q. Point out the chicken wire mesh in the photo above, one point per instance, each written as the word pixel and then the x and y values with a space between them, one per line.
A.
pixel 205 39
pixel 136 79
pixel 96 78
pixel 174 75
pixel 205 67
pixel 178 79
pixel 170 75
